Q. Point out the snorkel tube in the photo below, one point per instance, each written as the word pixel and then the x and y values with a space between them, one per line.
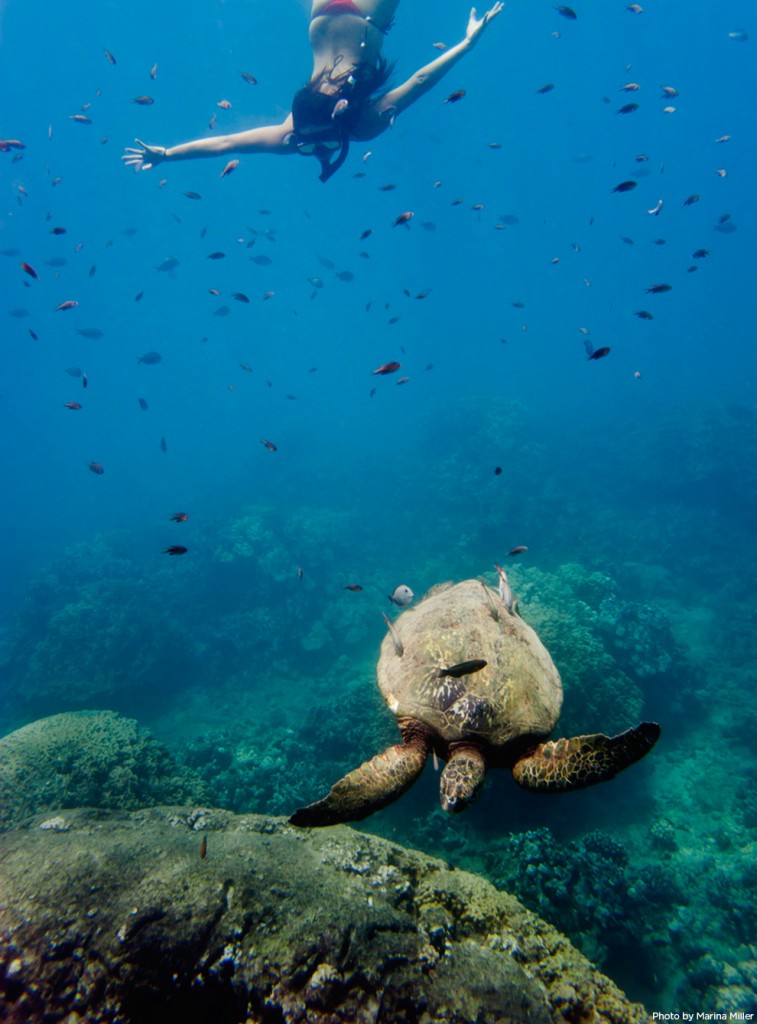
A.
pixel 329 166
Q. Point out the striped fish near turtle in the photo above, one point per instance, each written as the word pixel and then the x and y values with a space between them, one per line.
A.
pixel 469 681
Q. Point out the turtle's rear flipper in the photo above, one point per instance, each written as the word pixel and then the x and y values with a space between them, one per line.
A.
pixel 373 785
pixel 559 765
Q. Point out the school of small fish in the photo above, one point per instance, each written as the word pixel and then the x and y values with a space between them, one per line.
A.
pixel 52 283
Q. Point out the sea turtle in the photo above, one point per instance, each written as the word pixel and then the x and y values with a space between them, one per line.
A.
pixel 467 679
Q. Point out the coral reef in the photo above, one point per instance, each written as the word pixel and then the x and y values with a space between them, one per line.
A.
pixel 87 758
pixel 170 914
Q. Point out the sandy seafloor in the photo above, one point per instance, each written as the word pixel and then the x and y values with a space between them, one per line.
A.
pixel 630 479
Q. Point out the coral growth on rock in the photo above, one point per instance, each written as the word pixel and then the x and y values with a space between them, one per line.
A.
pixel 87 759
pixel 198 915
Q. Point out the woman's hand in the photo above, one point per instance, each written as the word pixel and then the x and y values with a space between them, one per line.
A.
pixel 477 25
pixel 145 157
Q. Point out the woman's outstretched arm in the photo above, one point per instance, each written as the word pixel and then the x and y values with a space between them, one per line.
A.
pixel 267 139
pixel 399 99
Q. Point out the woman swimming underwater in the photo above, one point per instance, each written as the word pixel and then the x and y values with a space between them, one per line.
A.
pixel 345 98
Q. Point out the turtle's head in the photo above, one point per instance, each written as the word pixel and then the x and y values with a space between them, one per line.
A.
pixel 462 778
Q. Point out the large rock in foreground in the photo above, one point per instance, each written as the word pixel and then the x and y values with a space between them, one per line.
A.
pixel 118 917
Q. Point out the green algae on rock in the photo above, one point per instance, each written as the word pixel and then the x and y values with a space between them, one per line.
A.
pixel 115 916
pixel 88 759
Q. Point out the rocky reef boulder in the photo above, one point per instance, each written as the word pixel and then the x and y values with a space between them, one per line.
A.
pixel 170 915
pixel 88 759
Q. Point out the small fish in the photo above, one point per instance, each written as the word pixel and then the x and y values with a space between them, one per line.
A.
pixel 505 594
pixel 724 138
pixel 217 256
pixel 399 650
pixel 635 8
pixel 166 266
pixel 643 314
pixel 154 72
pixel 80 118
pixel 68 304
pixel 269 445
pixel 545 88
pixel 72 405
pixel 111 59
pixel 247 77
pixel 630 87
pixel 143 404
pixel 96 468
pixel 439 46
pixel 89 332
pixel 193 195
pixel 345 275
pixel 628 108
pixel 403 218
pixel 456 96
pixel 387 188
pixel 84 380
pixel 176 549
pixel 600 353
pixel 700 254
pixel 625 186
pixel 402 380
pixel 224 105
pixel 690 200
pixel 567 12
pixel 366 234
pixel 658 289
pixel 150 358
pixel 230 166
pixel 163 445
pixel 465 668
pixel 300 573
pixel 143 101
pixel 57 231
pixel 354 587
pixel 401 595
pixel 387 368
pixel 498 471
pixel 655 211
pixel 669 92
pixel 240 297
pixel 179 517
pixel 518 550
pixel 203 846
pixel 29 269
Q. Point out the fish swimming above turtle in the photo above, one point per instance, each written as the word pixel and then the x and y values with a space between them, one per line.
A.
pixel 469 681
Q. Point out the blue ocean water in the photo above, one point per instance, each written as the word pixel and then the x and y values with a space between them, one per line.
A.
pixel 629 478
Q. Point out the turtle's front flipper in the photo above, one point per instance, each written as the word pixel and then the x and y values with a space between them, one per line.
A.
pixel 582 761
pixel 462 777
pixel 373 785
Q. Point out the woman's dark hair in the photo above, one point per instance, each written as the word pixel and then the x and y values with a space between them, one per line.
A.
pixel 314 108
